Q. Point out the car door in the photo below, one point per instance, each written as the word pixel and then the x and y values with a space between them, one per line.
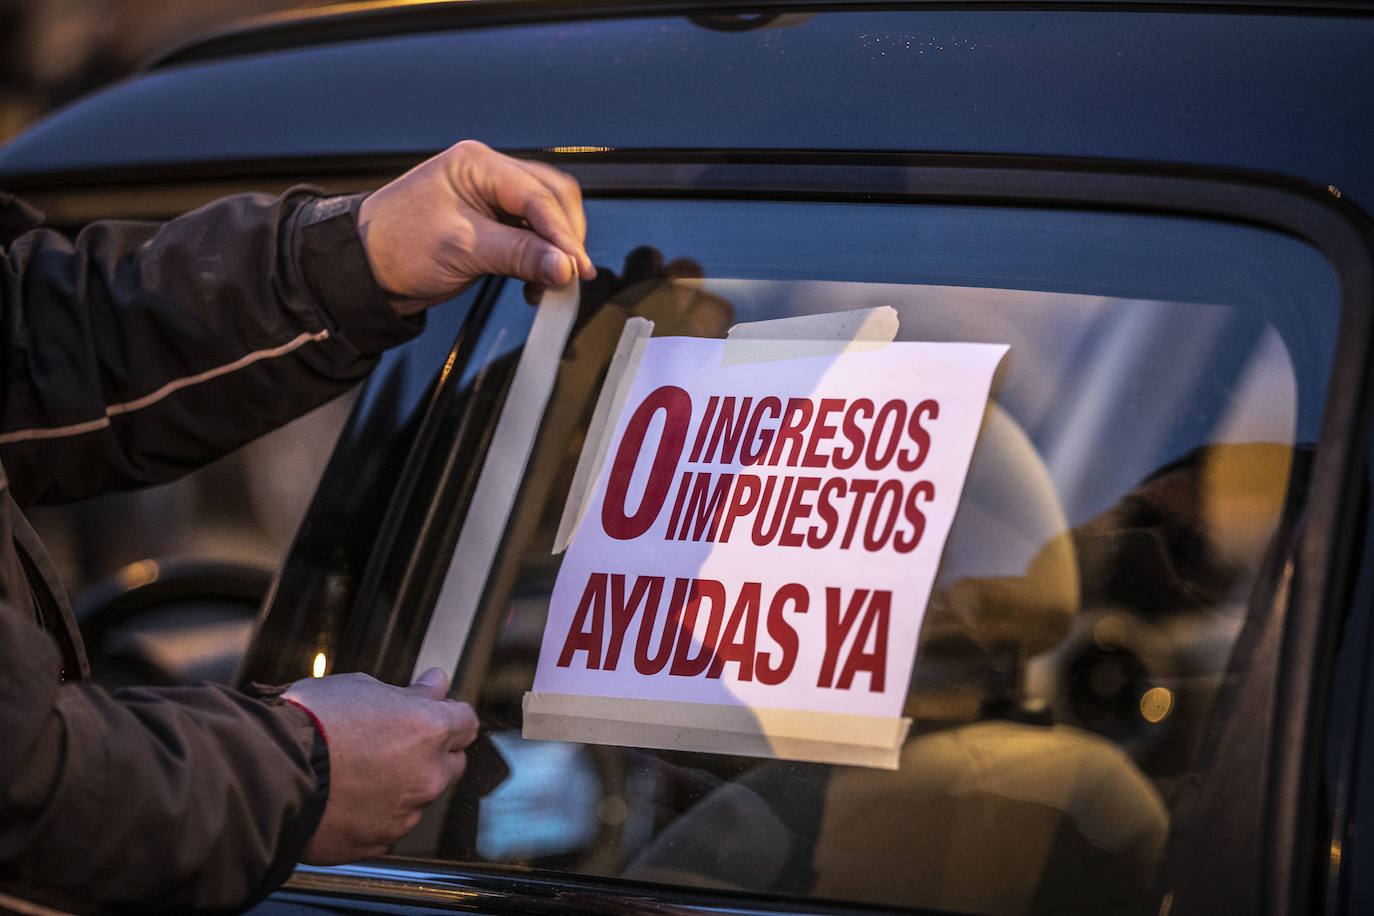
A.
pixel 1122 655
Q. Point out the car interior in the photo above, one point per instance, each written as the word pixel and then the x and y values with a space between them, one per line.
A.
pixel 1139 452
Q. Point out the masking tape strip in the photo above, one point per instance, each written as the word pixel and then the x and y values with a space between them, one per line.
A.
pixel 827 334
pixel 784 734
pixel 629 350
pixel 499 482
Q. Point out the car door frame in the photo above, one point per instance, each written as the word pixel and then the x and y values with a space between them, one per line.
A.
pixel 1316 580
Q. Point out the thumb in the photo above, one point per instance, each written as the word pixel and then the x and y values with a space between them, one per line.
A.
pixel 523 254
pixel 432 684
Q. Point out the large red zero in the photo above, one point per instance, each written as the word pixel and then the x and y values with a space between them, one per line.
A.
pixel 677 408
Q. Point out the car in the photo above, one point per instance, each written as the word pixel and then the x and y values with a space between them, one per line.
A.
pixel 1141 682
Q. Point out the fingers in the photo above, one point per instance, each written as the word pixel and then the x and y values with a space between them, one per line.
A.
pixel 520 253
pixel 460 722
pixel 448 726
pixel 568 192
pixel 434 230
pixel 546 198
pixel 391 750
pixel 455 765
pixel 456 721
pixel 460 727
pixel 432 684
pixel 539 207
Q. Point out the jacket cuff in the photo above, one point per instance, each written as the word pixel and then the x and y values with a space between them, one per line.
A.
pixel 334 263
pixel 298 833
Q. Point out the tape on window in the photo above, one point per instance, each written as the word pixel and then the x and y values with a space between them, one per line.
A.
pixel 499 483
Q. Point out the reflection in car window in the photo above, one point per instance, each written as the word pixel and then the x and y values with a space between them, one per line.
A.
pixel 1144 442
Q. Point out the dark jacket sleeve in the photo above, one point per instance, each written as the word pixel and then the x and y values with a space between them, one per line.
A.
pixel 139 351
pixel 146 801
pixel 130 355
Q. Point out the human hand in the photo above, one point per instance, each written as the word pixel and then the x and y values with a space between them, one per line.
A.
pixel 392 750
pixel 432 232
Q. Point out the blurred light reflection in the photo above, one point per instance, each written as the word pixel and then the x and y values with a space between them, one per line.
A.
pixel 1156 704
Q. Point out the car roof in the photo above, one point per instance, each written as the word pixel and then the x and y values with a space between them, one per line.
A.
pixel 376 18
pixel 1255 86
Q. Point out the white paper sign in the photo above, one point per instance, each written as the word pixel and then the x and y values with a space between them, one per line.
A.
pixel 762 537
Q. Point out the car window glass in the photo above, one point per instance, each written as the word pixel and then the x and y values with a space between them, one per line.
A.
pixel 1142 446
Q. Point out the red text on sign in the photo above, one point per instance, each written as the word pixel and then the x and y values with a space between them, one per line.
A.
pixel 870 512
pixel 705 629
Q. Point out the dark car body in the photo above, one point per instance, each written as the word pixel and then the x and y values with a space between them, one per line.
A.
pixel 1126 148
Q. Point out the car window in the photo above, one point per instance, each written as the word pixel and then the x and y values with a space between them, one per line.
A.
pixel 1142 451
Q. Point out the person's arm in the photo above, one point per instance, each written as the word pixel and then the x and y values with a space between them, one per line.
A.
pixel 138 351
pixel 202 798
pixel 180 800
pixel 166 800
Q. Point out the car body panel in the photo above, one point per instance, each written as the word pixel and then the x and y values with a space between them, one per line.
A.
pixel 1269 92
